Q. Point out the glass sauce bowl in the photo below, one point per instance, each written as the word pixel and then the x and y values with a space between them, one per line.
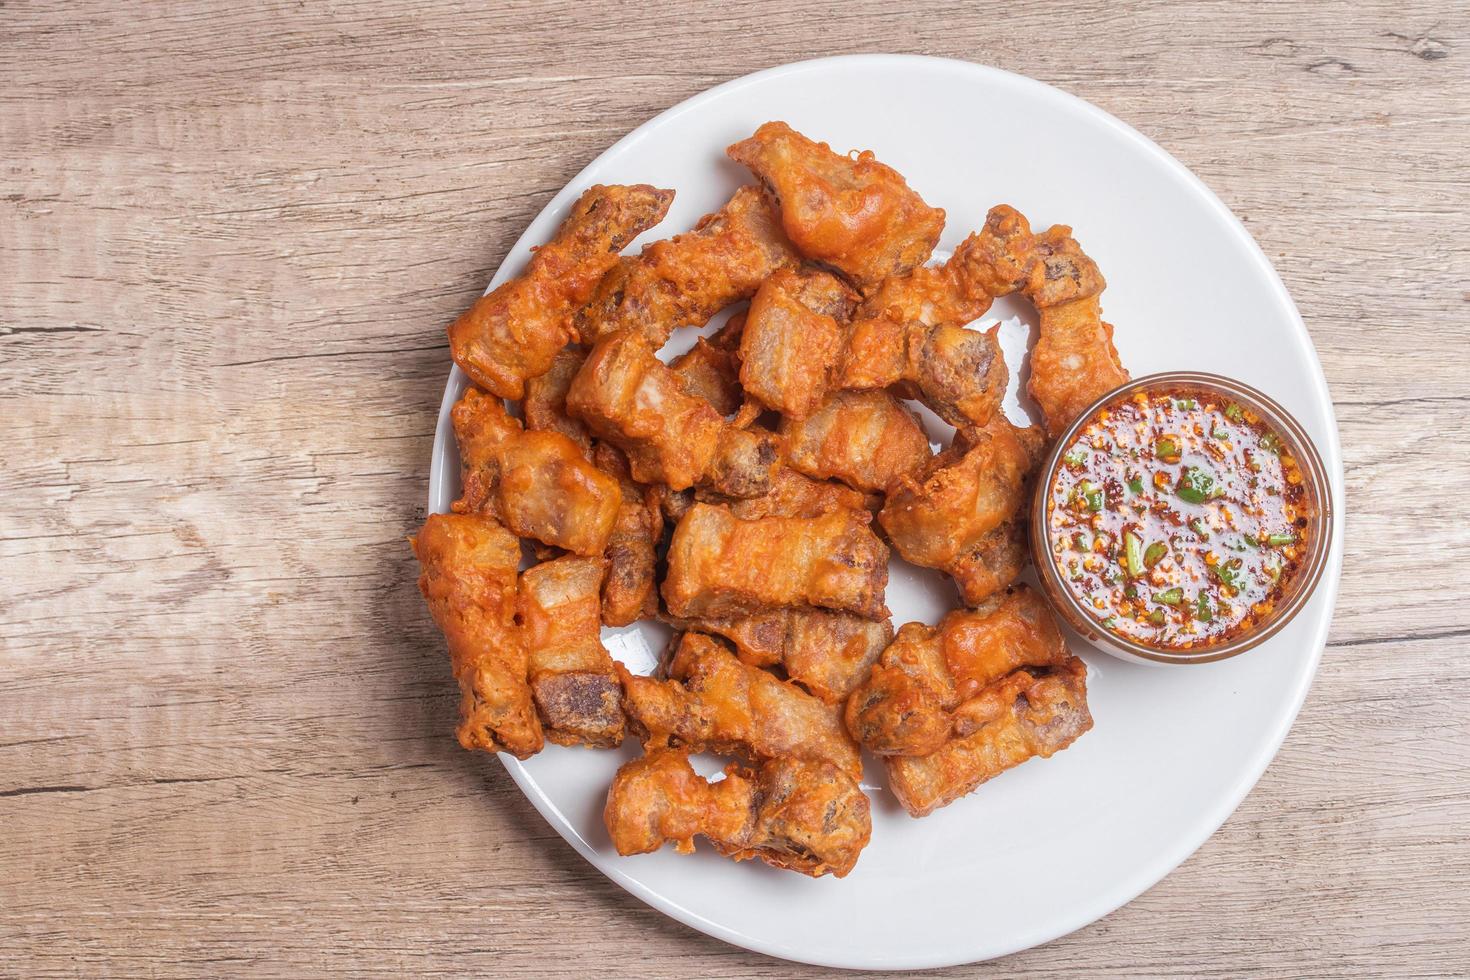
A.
pixel 1294 592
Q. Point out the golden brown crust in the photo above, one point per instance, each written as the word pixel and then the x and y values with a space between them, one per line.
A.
pixel 630 590
pixel 468 578
pixel 944 519
pixel 577 691
pixel 720 565
pixel 539 484
pixel 713 702
pixel 1025 715
pixel 711 373
pixel 793 340
pixel 513 332
pixel 629 397
pixel 792 495
pixel 1074 361
pixel 685 280
pixel 794 814
pixel 829 654
pixel 922 681
pixel 867 439
pixel 849 212
pixel 545 405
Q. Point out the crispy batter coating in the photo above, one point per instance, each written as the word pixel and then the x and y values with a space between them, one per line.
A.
pixel 850 212
pixel 827 653
pixel 711 373
pixel 685 280
pixel 537 483
pixel 1074 361
pixel 744 463
pixel 960 374
pixel 942 518
pixel 629 397
pixel 713 702
pixel 1029 713
pixel 908 334
pixel 545 406
pixel 630 590
pixel 577 692
pixel 722 566
pixel 795 814
pixel 792 495
pixel 793 339
pixel 917 696
pixel 468 577
pixel 514 332
pixel 991 562
pixel 867 439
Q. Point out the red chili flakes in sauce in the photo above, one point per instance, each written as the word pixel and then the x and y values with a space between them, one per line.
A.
pixel 1178 519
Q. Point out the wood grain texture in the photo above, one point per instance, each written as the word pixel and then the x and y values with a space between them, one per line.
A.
pixel 230 238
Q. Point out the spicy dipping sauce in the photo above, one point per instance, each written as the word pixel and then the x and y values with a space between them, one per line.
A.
pixel 1178 517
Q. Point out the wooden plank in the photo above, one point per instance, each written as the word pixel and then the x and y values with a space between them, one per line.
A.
pixel 230 236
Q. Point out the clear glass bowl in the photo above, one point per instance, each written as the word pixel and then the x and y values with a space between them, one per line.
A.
pixel 1065 603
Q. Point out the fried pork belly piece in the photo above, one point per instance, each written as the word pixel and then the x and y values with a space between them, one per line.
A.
pixel 629 397
pixel 945 518
pixel 711 373
pixel 513 332
pixel 908 334
pixel 1031 712
pixel 918 695
pixel 867 439
pixel 577 691
pixel 959 374
pixel 685 280
pixel 537 483
pixel 468 568
pixel 792 495
pixel 721 566
pixel 827 653
pixel 793 340
pixel 545 406
pixel 630 589
pixel 1074 361
pixel 991 562
pixel 795 814
pixel 852 213
pixel 673 504
pixel 713 702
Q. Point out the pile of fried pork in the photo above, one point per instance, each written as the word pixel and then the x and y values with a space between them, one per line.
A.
pixel 749 493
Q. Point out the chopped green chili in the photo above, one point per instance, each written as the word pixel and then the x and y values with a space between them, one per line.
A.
pixel 1277 540
pixel 1202 608
pixel 1170 597
pixel 1195 485
pixel 1133 553
pixel 1092 494
pixel 1155 554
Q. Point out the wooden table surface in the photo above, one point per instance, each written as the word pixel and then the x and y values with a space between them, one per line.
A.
pixel 230 238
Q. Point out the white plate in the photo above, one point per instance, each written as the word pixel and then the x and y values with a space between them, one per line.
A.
pixel 1052 845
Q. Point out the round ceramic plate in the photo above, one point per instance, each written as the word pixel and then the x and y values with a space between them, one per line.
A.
pixel 1054 844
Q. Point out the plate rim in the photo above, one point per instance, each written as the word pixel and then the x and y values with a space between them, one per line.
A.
pixel 1149 874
